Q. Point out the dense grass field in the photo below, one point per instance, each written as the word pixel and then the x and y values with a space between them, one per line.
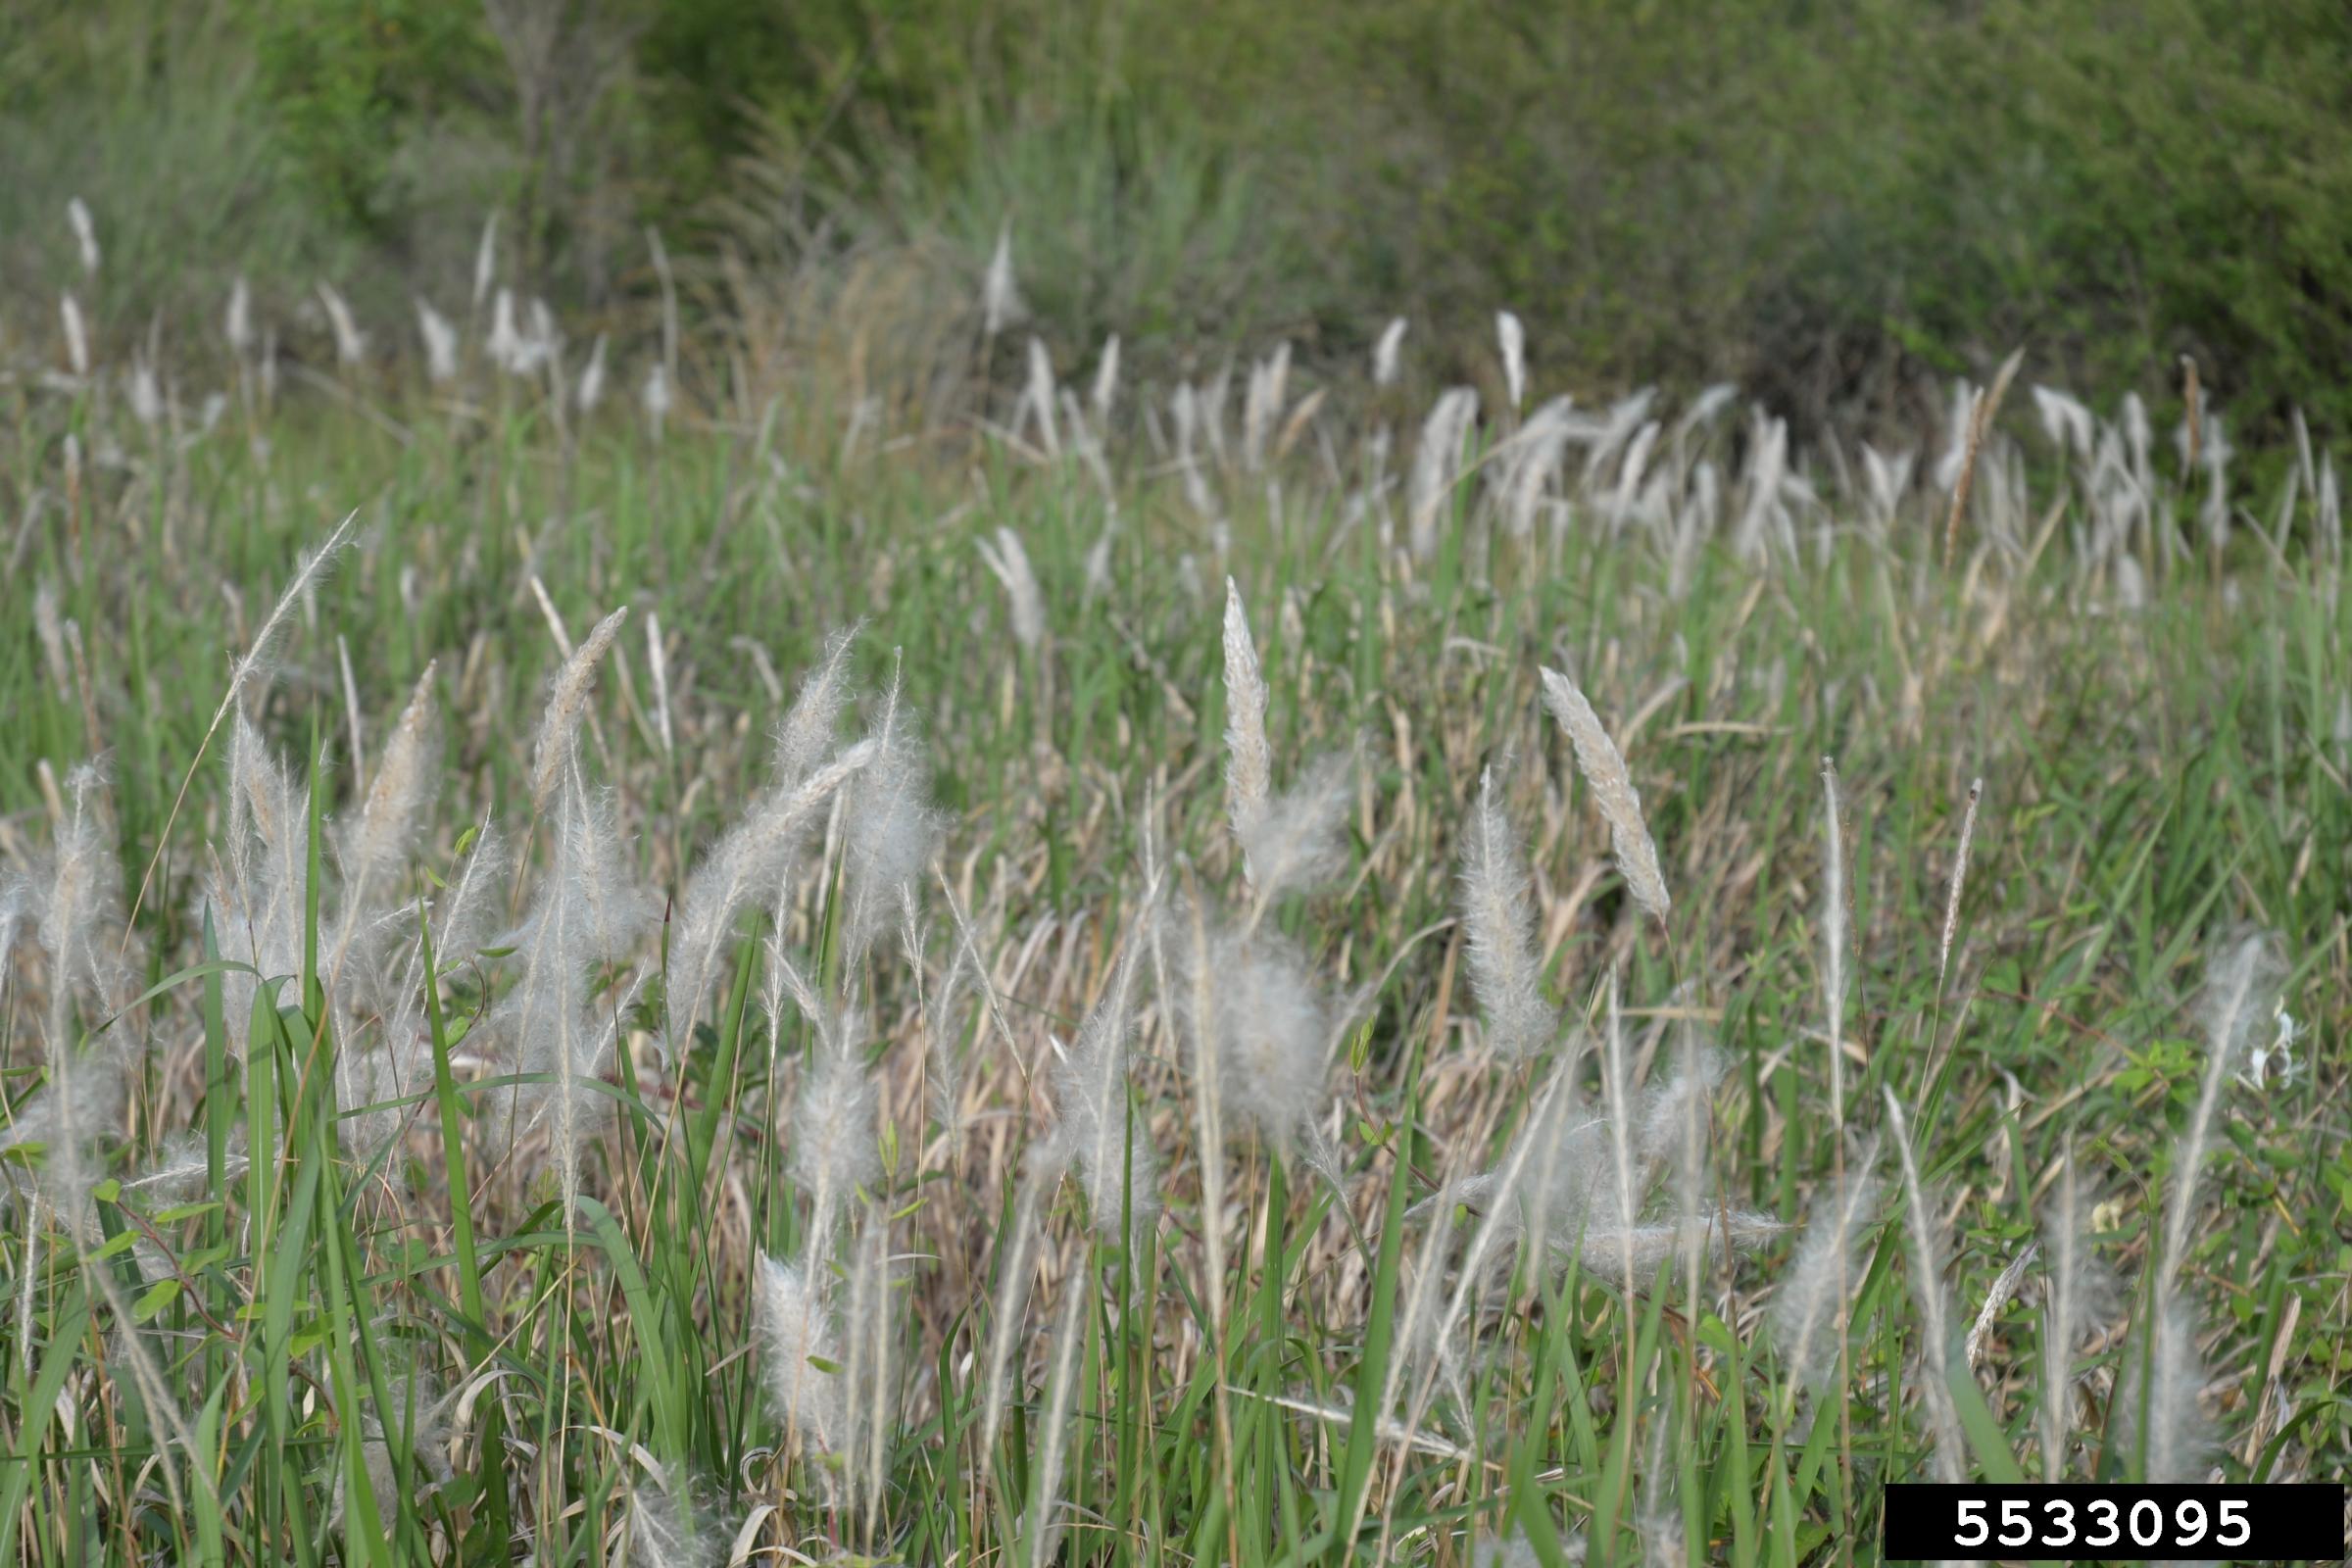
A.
pixel 811 1071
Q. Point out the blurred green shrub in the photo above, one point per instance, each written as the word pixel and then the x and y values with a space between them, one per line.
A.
pixel 1821 199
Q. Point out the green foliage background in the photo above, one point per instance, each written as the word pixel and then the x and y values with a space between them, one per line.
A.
pixel 1821 199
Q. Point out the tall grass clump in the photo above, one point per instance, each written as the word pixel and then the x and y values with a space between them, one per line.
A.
pixel 477 1082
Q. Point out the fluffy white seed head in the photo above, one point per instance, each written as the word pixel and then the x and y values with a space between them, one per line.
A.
pixel 1612 786
pixel 1249 757
pixel 1809 1318
pixel 567 706
pixel 1386 352
pixel 77 336
pixel 440 343
pixel 1106 384
pixel 350 344
pixel 2165 1420
pixel 2242 985
pixel 1935 1304
pixel 485 260
pixel 1300 840
pixel 835 1153
pixel 890 832
pixel 376 851
pixel 1000 297
pixel 1115 1159
pixel 1010 561
pixel 592 377
pixel 1499 921
pixel 1437 465
pixel 2079 1294
pixel 237 322
pixel 80 918
pixel 85 234
pixel 1511 336
pixel 749 862
pixel 1270 1027
pixel 793 1324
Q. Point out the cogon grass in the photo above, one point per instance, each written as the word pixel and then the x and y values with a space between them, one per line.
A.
pixel 840 1416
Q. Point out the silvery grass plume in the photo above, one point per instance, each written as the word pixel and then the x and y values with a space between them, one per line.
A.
pixel 350 344
pixel 1959 421
pixel 2069 425
pixel 1250 1005
pixel 1887 481
pixel 1000 297
pixel 1093 1126
pixel 586 914
pixel 1951 909
pixel 256 897
pixel 949 1089
pixel 77 336
pixel 567 706
pixel 1530 460
pixel 1935 1306
pixel 889 834
pixel 1604 770
pixel 375 1090
pixel 1809 1320
pixel 592 377
pixel 1106 384
pixel 1262 403
pixel 657 398
pixel 485 260
pixel 78 920
pixel 1512 338
pixel 1553 1194
pixel 377 849
pixel 1387 352
pixel 1437 463
pixel 1010 563
pixel 1037 399
pixel 755 856
pixel 464 915
pixel 1294 839
pixel 307 570
pixel 419 1414
pixel 440 343
pixel 236 321
pixel 799 1356
pixel 1016 1261
pixel 48 626
pixel 665 1530
pixel 146 395
pixel 1616 1100
pixel 83 1099
pixel 182 1164
pixel 1069 1336
pixel 1249 757
pixel 1618 426
pixel 505 344
pixel 868 1375
pixel 1301 840
pixel 1506 970
pixel 544 345
pixel 2164 1420
pixel 2081 1292
pixel 85 234
pixel 835 1155
pixel 2242 985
